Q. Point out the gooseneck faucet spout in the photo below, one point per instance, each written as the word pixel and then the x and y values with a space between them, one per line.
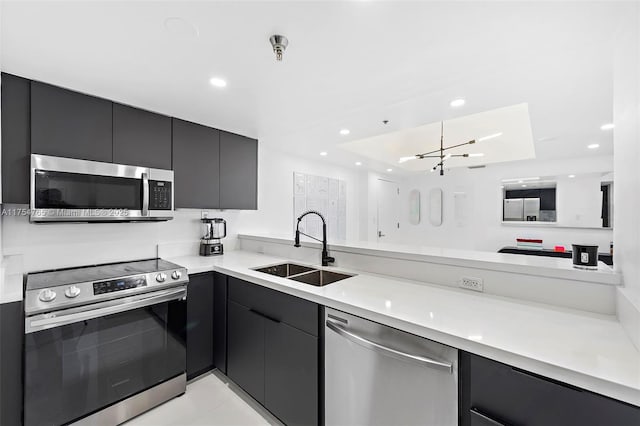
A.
pixel 326 259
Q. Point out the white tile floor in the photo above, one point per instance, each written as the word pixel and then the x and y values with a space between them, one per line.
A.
pixel 210 400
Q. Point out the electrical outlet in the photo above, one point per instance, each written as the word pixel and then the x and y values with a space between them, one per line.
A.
pixel 475 284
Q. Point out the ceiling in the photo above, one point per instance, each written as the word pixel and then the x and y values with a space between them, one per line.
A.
pixel 348 65
pixel 502 134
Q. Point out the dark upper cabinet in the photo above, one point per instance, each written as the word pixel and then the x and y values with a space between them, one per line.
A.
pixel 246 346
pixel 220 322
pixel 141 138
pixel 70 124
pixel 238 172
pixel 196 165
pixel 291 374
pixel 16 146
pixel 199 324
pixel 492 393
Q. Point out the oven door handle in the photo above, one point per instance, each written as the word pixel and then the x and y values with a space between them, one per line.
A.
pixel 145 194
pixel 83 313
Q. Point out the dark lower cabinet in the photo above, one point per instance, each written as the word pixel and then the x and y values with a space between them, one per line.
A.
pixel 65 123
pixel 16 139
pixel 199 331
pixel 270 356
pixel 291 374
pixel 11 342
pixel 246 350
pixel 220 321
pixel 494 394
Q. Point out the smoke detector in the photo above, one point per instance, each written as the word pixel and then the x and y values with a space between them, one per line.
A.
pixel 279 43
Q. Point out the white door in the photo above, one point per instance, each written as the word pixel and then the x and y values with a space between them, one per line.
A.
pixel 388 211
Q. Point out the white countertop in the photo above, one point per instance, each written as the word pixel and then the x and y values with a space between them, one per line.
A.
pixel 530 265
pixel 586 350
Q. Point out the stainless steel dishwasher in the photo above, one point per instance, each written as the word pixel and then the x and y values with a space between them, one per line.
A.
pixel 378 375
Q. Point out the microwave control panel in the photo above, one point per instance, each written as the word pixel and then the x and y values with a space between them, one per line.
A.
pixel 110 286
pixel 160 195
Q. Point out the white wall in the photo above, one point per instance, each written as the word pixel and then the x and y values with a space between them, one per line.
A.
pixel 46 246
pixel 626 115
pixel 481 227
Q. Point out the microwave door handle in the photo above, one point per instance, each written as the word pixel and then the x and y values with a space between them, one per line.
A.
pixel 145 194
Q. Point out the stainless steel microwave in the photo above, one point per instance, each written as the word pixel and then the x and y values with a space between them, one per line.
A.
pixel 70 190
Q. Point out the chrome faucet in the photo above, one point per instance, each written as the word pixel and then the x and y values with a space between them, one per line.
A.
pixel 326 259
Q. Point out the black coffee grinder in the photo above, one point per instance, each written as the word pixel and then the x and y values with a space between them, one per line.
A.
pixel 215 230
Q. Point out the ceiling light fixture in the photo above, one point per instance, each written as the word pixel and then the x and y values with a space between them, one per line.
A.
pixel 358 163
pixel 218 82
pixel 279 44
pixel 345 132
pixel 477 154
pixel 439 153
pixel 607 126
pixel 572 176
pixel 593 146
pixel 323 153
pixel 389 170
pixel 457 102
pixel 524 186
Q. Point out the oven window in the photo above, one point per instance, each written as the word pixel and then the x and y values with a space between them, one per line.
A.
pixel 61 190
pixel 74 370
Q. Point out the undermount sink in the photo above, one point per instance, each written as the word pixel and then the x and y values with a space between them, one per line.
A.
pixel 285 269
pixel 320 277
pixel 303 274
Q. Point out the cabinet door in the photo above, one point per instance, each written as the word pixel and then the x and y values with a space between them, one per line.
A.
pixel 11 343
pixel 291 374
pixel 245 350
pixel 495 392
pixel 199 324
pixel 238 172
pixel 220 322
pixel 196 165
pixel 141 138
pixel 16 145
pixel 70 124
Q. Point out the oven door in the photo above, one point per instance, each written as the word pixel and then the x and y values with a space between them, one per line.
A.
pixel 81 360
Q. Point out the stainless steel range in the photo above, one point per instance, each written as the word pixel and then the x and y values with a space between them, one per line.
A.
pixel 103 343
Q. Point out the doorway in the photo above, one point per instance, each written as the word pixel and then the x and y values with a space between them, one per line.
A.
pixel 388 199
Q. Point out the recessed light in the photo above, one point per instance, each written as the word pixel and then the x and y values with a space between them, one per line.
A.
pixel 218 82
pixel 593 146
pixel 572 176
pixel 524 186
pixel 345 132
pixel 607 126
pixel 477 154
pixel 358 163
pixel 323 153
pixel 389 170
pixel 457 102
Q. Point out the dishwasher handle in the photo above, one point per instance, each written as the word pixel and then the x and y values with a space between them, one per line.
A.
pixel 385 350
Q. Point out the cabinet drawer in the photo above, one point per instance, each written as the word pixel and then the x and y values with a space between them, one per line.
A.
pixel 511 396
pixel 291 310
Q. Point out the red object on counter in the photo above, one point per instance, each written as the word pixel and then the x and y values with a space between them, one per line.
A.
pixel 559 249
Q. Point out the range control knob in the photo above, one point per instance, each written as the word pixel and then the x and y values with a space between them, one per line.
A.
pixel 47 295
pixel 176 275
pixel 72 291
pixel 161 277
